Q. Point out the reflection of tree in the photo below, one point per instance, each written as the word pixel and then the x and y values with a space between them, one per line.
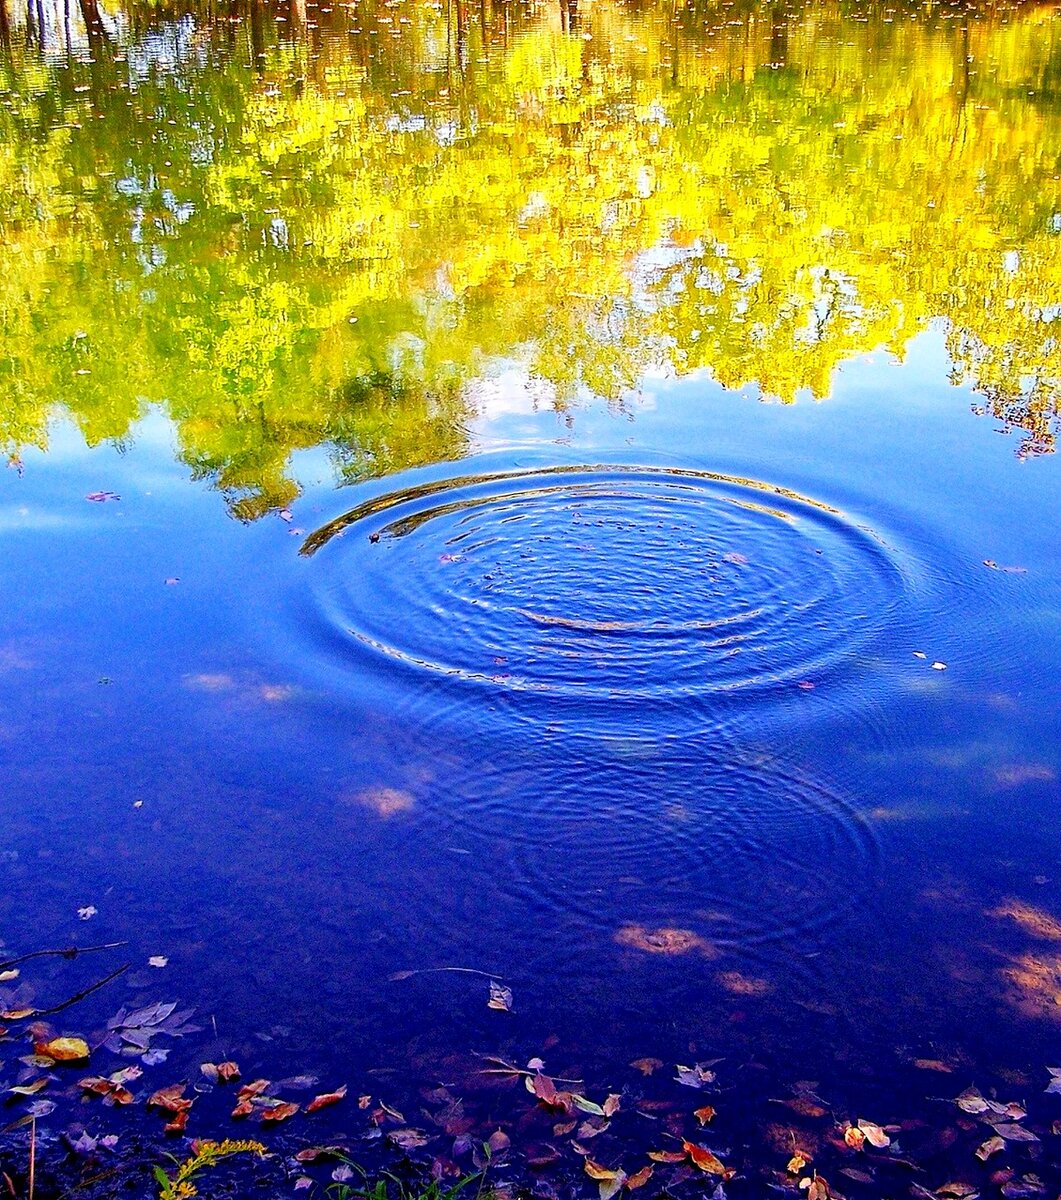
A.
pixel 592 189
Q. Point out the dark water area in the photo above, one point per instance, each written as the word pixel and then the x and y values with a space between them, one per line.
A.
pixel 522 491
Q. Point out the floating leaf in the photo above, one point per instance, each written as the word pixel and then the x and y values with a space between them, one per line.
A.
pixel 1014 1133
pixel 639 1178
pixel 281 1111
pixel 7 976
pixel 855 1138
pixel 1054 1085
pixel 874 1134
pixel 500 997
pixel 587 1106
pixel 157 960
pixel 326 1099
pixel 706 1161
pixel 992 1146
pixel 647 1065
pixel 63 1049
pixel 970 1101
pixel 796 1163
pixel 667 1156
pixel 705 1114
pixel 696 1076
pixel 29 1089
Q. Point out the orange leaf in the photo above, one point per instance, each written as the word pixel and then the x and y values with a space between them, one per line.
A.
pixel 855 1138
pixel 703 1115
pixel 327 1098
pixel 647 1065
pixel 179 1122
pixel 63 1049
pixel 666 1156
pixel 642 1177
pixel 243 1109
pixel 251 1089
pixel 706 1161
pixel 227 1072
pixel 280 1112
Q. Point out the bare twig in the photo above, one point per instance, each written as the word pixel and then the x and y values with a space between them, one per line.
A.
pixel 399 975
pixel 69 952
pixel 56 1008
pixel 47 1012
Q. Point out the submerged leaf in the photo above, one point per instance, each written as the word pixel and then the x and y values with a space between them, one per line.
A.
pixel 500 997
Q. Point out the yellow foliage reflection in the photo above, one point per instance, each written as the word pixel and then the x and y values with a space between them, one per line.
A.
pixel 321 226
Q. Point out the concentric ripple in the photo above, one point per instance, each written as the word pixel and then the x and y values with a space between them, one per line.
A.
pixel 604 585
pixel 737 847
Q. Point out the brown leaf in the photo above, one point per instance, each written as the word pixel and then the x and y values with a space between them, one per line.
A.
pixel 796 1163
pixel 706 1161
pixel 326 1099
pixel 992 1146
pixel 170 1099
pixel 408 1139
pixel 611 1105
pixel 179 1122
pixel 639 1178
pixel 63 1049
pixel 667 1156
pixel 228 1072
pixel 252 1089
pixel 932 1064
pixel 1014 1133
pixel 17 1014
pixel 705 1114
pixel 874 1134
pixel 280 1112
pixel 563 1128
pixel 243 1109
pixel 647 1065
pixel 805 1107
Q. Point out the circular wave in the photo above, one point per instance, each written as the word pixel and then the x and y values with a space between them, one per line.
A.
pixel 687 847
pixel 605 585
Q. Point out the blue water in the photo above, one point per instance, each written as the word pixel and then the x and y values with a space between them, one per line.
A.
pixel 636 672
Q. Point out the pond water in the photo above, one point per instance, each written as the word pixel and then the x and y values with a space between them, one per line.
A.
pixel 564 492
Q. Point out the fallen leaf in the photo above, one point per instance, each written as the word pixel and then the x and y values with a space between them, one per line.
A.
pixel 243 1109
pixel 170 1099
pixel 1054 1086
pixel 228 1072
pixel 102 497
pixel 957 1190
pixel 587 1106
pixel 252 1089
pixel 874 1134
pixel 63 1049
pixel 992 1146
pixel 857 1175
pixel 855 1138
pixel 29 1089
pixel 647 1065
pixel 157 960
pixel 611 1105
pixel 796 1164
pixel 280 1111
pixel 639 1178
pixel 17 1014
pixel 408 1139
pixel 932 1064
pixel 939 666
pixel 696 1076
pixel 705 1114
pixel 970 1101
pixel 706 1161
pixel 88 912
pixel 596 1171
pixel 667 1156
pixel 326 1099
pixel 500 997
pixel 1014 1133
pixel 7 976
pixel 178 1124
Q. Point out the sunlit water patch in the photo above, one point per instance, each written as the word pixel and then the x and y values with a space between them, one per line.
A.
pixel 601 589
